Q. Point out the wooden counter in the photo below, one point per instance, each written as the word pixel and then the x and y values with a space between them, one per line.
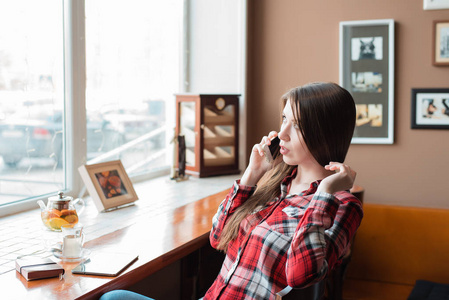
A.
pixel 159 241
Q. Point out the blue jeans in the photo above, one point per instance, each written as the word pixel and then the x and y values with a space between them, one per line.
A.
pixel 123 295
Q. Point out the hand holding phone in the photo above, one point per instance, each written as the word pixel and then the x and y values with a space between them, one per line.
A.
pixel 272 151
pixel 257 167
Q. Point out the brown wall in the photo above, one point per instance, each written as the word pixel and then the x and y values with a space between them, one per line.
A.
pixel 293 42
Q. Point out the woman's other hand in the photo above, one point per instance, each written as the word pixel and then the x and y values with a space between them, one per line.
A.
pixel 342 180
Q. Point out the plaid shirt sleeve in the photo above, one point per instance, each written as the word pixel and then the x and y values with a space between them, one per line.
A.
pixel 322 237
pixel 236 197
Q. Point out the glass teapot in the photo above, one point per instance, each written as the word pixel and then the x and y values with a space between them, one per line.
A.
pixel 60 210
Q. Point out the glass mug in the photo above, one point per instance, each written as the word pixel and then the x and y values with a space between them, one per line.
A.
pixel 72 240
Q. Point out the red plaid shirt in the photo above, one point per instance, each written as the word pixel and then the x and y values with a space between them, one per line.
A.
pixel 293 241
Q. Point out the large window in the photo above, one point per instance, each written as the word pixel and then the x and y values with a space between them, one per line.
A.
pixel 132 73
pixel 86 81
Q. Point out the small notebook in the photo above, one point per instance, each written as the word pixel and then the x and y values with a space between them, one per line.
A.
pixel 106 264
pixel 38 268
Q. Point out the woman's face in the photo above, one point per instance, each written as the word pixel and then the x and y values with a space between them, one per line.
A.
pixel 293 148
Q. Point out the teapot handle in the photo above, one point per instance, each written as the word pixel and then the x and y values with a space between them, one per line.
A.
pixel 79 201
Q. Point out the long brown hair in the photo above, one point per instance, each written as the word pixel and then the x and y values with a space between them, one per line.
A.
pixel 325 113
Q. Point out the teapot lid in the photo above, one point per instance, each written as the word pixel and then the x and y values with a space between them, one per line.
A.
pixel 60 197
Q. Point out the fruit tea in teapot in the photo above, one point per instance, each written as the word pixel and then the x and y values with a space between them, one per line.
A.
pixel 60 210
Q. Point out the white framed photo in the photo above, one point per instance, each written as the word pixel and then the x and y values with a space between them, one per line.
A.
pixel 435 4
pixel 367 72
pixel 108 185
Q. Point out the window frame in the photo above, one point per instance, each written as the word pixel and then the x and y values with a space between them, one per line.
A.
pixel 75 93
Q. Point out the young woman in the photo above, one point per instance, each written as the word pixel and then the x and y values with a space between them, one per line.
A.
pixel 298 223
pixel 289 222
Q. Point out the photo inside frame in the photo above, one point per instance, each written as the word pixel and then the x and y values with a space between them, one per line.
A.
pixel 111 183
pixel 366 82
pixel 369 115
pixel 367 48
pixel 432 109
pixel 442 42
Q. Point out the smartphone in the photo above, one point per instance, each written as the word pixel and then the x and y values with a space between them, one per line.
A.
pixel 272 151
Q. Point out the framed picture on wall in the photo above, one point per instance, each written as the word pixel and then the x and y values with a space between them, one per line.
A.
pixel 430 108
pixel 436 4
pixel 440 43
pixel 108 185
pixel 367 72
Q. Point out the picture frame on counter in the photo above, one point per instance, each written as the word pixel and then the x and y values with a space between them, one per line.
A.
pixel 440 44
pixel 430 108
pixel 435 4
pixel 108 185
pixel 367 72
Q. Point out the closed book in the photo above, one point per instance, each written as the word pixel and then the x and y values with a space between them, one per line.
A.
pixel 38 268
